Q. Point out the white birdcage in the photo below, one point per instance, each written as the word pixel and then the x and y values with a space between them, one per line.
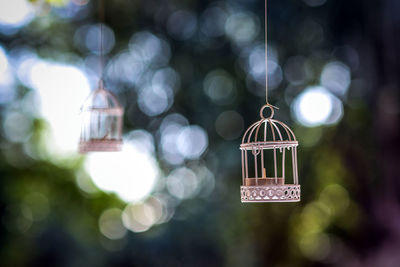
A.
pixel 266 141
pixel 102 117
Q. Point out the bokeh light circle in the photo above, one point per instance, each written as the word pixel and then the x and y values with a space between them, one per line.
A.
pixel 192 141
pixel 317 106
pixel 131 173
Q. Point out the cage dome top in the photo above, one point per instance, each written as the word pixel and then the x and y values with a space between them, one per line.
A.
pixel 268 133
pixel 101 100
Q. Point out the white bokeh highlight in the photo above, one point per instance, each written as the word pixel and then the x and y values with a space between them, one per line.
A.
pixel 15 14
pixel 317 106
pixel 62 89
pixel 336 76
pixel 192 141
pixel 131 174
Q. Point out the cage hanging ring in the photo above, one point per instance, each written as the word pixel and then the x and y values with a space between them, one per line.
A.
pixel 262 111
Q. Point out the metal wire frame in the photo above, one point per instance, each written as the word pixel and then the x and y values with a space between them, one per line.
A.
pixel 282 138
pixel 109 106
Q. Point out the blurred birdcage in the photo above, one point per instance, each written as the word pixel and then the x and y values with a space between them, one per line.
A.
pixel 269 141
pixel 102 117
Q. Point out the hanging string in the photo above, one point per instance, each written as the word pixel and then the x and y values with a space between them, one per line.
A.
pixel 101 48
pixel 266 54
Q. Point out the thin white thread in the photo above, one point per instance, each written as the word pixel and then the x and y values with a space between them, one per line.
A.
pixel 266 54
pixel 101 48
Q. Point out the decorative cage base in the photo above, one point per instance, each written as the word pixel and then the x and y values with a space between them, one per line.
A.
pixel 100 146
pixel 270 193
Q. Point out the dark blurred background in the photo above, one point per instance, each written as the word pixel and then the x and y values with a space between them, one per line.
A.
pixel 190 75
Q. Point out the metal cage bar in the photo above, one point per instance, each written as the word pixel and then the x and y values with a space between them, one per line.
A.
pixel 247 168
pixel 293 166
pixel 243 174
pixel 283 164
pixel 296 178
